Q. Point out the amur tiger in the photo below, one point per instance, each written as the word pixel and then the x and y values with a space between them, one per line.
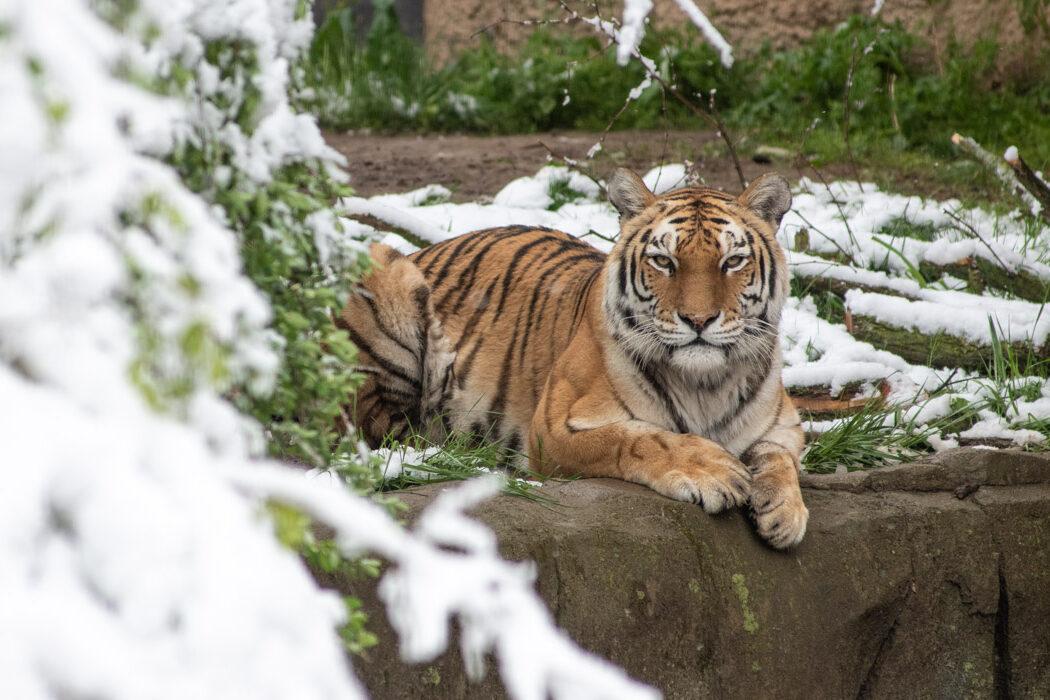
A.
pixel 658 363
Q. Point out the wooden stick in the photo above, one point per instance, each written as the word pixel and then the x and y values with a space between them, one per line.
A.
pixel 1035 185
pixel 1003 171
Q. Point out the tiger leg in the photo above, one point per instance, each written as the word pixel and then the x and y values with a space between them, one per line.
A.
pixel 776 500
pixel 402 350
pixel 593 435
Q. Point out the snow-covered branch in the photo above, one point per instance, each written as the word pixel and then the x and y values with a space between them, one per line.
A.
pixel 635 14
pixel 450 568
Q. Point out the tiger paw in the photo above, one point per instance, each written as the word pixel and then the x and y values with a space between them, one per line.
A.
pixel 780 515
pixel 718 483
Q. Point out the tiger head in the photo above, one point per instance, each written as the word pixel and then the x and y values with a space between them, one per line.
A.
pixel 697 279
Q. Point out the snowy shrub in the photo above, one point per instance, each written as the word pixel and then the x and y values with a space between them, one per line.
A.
pixel 243 147
pixel 167 270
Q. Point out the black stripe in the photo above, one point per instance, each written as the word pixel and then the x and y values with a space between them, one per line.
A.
pixel 581 298
pixel 635 276
pixel 448 254
pixel 387 365
pixel 516 258
pixel 472 323
pixel 374 310
pixel 660 393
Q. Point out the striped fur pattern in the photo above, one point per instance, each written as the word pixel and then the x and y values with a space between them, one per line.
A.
pixel 658 363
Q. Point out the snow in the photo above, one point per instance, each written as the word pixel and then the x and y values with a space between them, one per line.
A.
pixel 534 191
pixel 664 178
pixel 130 568
pixel 957 314
pixel 136 556
pixel 713 36
pixel 848 217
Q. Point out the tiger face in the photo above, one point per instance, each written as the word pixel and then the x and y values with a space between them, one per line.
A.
pixel 697 278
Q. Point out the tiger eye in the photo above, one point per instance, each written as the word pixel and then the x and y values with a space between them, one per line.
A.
pixel 663 262
pixel 733 262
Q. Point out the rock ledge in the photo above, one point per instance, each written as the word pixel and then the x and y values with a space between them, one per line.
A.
pixel 929 579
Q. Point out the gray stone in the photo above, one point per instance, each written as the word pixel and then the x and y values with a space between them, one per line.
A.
pixel 923 580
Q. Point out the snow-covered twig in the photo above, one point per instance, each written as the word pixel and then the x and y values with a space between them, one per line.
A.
pixel 652 71
pixel 450 568
pixel 635 12
pixel 632 29
pixel 713 36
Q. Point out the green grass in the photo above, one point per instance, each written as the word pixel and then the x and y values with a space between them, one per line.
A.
pixel 561 193
pixel 463 457
pixel 386 83
pixel 874 437
pixel 903 227
pixel 878 436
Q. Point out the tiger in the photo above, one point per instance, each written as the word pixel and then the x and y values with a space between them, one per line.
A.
pixel 658 363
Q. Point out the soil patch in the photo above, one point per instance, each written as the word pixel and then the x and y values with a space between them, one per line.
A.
pixel 475 167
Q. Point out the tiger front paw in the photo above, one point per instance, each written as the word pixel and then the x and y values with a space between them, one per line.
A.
pixel 780 515
pixel 717 483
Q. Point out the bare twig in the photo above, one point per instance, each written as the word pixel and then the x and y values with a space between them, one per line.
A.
pixel 522 22
pixel 847 104
pixel 967 227
pixel 609 29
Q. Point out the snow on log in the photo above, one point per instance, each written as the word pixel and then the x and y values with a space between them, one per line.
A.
pixel 940 335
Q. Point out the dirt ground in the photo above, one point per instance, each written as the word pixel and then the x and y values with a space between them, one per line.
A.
pixel 475 167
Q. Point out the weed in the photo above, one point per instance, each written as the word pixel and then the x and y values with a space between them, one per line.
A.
pixel 878 436
pixel 561 193
pixel 903 227
pixel 385 82
pixel 460 457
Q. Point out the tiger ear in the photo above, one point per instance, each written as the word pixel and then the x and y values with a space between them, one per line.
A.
pixel 628 193
pixel 769 196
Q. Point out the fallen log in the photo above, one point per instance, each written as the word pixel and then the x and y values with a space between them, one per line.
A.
pixel 937 350
pixel 817 402
pixel 980 273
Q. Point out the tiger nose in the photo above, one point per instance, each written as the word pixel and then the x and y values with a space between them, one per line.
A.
pixel 699 322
